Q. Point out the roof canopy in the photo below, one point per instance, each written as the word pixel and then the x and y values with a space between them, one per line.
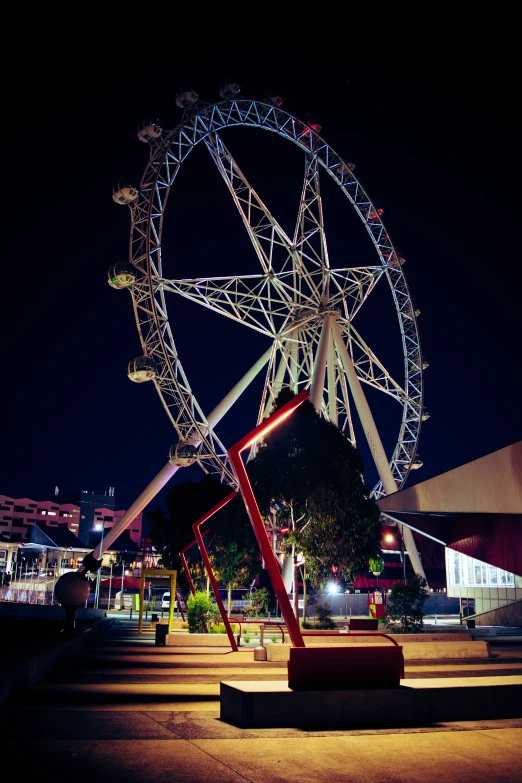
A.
pixel 475 509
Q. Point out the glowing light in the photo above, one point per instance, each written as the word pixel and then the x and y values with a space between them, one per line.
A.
pixel 389 538
pixel 332 587
pixel 263 432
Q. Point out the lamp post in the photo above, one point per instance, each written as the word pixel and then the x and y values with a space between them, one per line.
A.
pixel 98 575
pixel 110 590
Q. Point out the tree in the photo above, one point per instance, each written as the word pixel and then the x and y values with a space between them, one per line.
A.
pixel 260 599
pixel 405 603
pixel 309 475
pixel 230 542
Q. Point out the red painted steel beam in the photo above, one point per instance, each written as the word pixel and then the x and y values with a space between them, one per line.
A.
pixel 271 563
pixel 204 554
pixel 185 564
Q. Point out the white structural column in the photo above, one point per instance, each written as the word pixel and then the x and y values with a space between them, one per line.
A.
pixel 166 473
pixel 332 386
pixel 277 384
pixel 373 438
pixel 294 359
pixel 288 573
pixel 148 494
pixel 316 392
pixel 236 392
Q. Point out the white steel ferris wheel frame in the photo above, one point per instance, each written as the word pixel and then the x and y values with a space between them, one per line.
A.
pixel 302 304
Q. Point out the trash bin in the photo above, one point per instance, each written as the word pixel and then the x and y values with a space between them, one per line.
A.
pixel 162 630
pixel 470 623
pixel 154 618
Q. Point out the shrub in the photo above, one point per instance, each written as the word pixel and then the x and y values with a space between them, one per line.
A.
pixel 246 638
pixel 306 625
pixel 201 613
pixel 273 639
pixel 405 603
pixel 324 617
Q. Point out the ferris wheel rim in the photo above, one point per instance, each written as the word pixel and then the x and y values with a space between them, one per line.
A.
pixel 195 127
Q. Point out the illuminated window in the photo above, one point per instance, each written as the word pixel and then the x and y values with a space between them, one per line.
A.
pixel 468 572
pixel 51 513
pixel 456 567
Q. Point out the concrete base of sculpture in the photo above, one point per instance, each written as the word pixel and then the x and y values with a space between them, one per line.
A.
pixel 415 702
pixel 197 640
pixel 412 651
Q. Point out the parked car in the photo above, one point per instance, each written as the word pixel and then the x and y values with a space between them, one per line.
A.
pixel 165 602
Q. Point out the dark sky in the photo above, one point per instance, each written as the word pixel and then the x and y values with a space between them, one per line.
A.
pixel 428 119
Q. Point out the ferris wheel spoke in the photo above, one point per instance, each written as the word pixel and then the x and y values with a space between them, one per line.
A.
pixel 263 229
pixel 263 302
pixel 351 287
pixel 311 252
pixel 368 367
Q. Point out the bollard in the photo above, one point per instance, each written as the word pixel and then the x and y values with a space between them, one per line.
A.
pixel 260 653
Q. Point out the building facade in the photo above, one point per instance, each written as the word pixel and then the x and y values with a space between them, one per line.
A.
pixel 19 515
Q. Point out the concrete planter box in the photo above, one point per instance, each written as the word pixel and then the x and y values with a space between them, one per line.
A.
pixel 412 651
pixel 197 640
pixel 420 702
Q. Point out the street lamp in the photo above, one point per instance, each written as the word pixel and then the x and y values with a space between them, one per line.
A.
pixel 390 539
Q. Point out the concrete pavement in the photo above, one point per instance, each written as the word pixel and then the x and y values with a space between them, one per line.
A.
pixel 131 711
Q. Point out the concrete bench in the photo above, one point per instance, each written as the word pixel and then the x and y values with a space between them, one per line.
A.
pixel 345 667
pixel 363 624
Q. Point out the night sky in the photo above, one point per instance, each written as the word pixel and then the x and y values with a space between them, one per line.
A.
pixel 430 124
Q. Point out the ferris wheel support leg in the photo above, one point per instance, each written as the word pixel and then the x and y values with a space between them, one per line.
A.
pixel 316 392
pixel 72 589
pixel 278 381
pixel 332 391
pixel 226 403
pixel 294 358
pixel 374 440
pixel 148 494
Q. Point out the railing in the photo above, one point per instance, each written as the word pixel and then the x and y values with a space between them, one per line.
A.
pixel 349 633
pixel 257 622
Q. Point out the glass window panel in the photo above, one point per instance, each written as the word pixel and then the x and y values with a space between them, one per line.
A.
pixel 510 579
pixel 484 574
pixel 501 577
pixel 478 578
pixel 456 566
pixel 492 575
pixel 469 563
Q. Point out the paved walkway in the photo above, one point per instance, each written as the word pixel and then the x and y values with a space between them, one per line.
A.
pixel 131 711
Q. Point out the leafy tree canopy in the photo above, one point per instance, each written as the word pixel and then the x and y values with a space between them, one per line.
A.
pixel 309 474
pixel 230 541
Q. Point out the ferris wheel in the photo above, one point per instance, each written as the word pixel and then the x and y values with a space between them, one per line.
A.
pixel 305 305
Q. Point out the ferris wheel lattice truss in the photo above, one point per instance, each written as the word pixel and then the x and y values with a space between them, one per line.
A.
pixel 304 306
